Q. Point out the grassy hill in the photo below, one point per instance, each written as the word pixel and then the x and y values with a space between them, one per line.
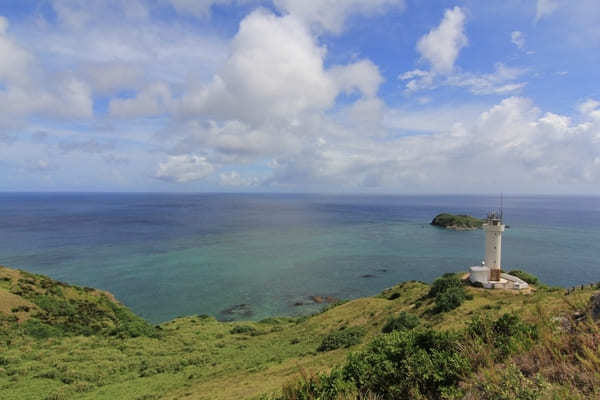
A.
pixel 60 341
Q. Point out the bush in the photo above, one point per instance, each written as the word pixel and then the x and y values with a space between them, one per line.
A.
pixel 394 296
pixel 513 385
pixel 129 324
pixel 403 322
pixel 320 386
pixel 447 281
pixel 342 338
pixel 242 329
pixel 40 330
pixel 526 276
pixel 408 364
pixel 506 335
pixel 450 299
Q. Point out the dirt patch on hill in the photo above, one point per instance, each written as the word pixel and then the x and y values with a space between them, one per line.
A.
pixel 10 302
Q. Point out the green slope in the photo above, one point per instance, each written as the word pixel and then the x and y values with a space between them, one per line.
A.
pixel 198 357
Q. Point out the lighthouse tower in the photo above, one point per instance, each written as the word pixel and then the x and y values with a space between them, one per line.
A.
pixel 493 245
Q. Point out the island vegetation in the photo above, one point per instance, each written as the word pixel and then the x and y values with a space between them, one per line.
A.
pixel 457 222
pixel 447 340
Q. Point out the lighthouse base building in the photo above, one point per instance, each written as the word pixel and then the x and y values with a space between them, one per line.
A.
pixel 490 274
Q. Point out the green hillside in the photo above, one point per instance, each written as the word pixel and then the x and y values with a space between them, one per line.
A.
pixel 60 341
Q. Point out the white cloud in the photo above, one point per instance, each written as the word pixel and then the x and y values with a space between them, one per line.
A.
pixel 29 89
pixel 153 100
pixel 184 168
pixel 107 78
pixel 331 14
pixel 591 109
pixel 502 81
pixel 233 178
pixel 14 60
pixel 275 72
pixel 518 39
pixel 275 69
pixel 441 46
pixel 546 7
pixel 577 22
pixel 363 76
pixel 197 8
pixel 512 144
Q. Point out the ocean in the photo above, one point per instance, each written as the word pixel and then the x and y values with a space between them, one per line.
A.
pixel 251 256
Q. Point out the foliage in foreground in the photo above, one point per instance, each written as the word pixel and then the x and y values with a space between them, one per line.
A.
pixel 419 363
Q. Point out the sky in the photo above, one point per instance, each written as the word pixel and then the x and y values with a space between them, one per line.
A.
pixel 328 96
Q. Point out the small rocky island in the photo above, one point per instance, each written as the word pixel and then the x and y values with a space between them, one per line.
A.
pixel 457 222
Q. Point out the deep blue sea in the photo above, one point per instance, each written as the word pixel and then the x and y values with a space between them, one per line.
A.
pixel 168 255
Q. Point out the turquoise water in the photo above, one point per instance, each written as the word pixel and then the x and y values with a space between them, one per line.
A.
pixel 170 255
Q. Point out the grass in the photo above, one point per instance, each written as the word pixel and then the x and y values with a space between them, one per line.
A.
pixel 198 357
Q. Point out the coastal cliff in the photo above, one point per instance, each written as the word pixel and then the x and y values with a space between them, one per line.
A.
pixel 60 341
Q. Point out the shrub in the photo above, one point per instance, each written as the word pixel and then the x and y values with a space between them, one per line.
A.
pixel 242 329
pixel 40 330
pixel 447 281
pixel 450 299
pixel 129 324
pixel 404 321
pixel 394 296
pixel 408 364
pixel 343 338
pixel 320 386
pixel 506 335
pixel 526 276
pixel 513 385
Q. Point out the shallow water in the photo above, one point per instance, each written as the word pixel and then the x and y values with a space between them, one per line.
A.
pixel 166 255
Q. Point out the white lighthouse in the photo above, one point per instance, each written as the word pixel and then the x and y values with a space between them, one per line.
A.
pixel 489 274
pixel 493 245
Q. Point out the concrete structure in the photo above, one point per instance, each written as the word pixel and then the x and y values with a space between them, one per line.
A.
pixel 489 274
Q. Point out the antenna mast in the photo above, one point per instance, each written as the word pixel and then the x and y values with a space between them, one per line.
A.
pixel 501 205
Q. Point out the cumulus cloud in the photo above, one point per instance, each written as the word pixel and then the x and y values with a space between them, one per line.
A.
pixel 441 46
pixel 590 108
pixel 331 14
pixel 184 168
pixel 363 76
pixel 275 71
pixel 275 68
pixel 511 144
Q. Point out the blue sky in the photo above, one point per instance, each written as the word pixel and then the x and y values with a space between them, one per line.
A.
pixel 369 96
